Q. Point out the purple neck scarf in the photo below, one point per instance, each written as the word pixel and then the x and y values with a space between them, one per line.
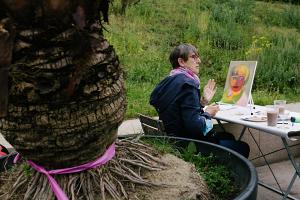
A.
pixel 59 193
pixel 187 72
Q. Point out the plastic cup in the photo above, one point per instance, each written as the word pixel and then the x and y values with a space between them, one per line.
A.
pixel 280 104
pixel 272 116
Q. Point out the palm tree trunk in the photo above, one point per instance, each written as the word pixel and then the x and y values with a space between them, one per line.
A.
pixel 6 46
pixel 65 83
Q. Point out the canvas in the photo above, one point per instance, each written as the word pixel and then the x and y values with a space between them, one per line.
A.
pixel 239 82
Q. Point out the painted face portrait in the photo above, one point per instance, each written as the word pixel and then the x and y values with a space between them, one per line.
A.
pixel 238 77
pixel 239 82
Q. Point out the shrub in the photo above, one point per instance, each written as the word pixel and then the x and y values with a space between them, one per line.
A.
pixel 284 16
pixel 291 16
pixel 233 11
pixel 227 36
pixel 284 1
pixel 258 45
pixel 217 176
pixel 279 65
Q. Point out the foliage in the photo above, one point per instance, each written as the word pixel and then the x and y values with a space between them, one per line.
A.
pixel 27 170
pixel 279 15
pixel 163 145
pixel 285 1
pixel 257 46
pixel 217 176
pixel 223 30
pixel 228 37
pixel 281 72
pixel 233 11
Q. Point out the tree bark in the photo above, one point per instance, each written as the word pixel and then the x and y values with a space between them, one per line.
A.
pixel 6 46
pixel 65 83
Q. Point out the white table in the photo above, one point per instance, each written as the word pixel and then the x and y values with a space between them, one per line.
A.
pixel 235 114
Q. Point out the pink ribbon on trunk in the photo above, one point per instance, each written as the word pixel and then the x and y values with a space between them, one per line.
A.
pixel 59 193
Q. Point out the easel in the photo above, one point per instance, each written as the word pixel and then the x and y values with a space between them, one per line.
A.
pixel 251 104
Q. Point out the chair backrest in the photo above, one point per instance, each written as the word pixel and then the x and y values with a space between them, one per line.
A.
pixel 152 126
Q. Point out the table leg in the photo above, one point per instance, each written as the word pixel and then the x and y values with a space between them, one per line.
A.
pixel 295 165
pixel 224 130
pixel 221 125
pixel 266 161
pixel 242 133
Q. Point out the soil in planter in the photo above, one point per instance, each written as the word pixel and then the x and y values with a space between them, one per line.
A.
pixel 184 182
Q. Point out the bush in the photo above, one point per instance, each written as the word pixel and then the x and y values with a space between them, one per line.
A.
pixel 279 65
pixel 218 178
pixel 227 36
pixel 284 16
pixel 233 11
pixel 291 17
pixel 284 1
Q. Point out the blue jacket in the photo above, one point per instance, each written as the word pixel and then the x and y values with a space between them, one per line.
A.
pixel 177 101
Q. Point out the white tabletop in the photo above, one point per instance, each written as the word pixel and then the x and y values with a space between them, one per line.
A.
pixel 235 114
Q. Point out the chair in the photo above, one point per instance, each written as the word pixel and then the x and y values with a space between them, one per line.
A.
pixel 152 126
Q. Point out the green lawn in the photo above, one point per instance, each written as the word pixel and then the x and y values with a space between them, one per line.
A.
pixel 223 30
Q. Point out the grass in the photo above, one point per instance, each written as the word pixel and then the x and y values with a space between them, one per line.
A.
pixel 223 30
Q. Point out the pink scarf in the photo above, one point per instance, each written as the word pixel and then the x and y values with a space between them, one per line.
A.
pixel 186 72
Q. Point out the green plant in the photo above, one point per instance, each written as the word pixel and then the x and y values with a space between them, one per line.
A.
pixel 27 169
pixel 257 46
pixel 233 11
pixel 285 1
pixel 217 176
pixel 163 145
pixel 292 17
pixel 284 15
pixel 279 65
pixel 228 37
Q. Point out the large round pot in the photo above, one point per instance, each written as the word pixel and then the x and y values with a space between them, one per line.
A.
pixel 245 175
pixel 244 172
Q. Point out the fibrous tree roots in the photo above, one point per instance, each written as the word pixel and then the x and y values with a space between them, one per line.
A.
pixel 113 180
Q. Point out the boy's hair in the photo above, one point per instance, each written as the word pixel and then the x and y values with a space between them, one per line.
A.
pixel 181 51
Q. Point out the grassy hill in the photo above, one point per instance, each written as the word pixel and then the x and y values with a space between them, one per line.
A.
pixel 222 30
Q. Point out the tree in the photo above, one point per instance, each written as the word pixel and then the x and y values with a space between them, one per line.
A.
pixel 65 85
pixel 62 99
pixel 62 92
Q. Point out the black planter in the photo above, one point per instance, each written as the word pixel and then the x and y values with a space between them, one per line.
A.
pixel 244 172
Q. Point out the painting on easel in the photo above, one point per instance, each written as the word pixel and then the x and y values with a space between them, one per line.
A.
pixel 239 82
